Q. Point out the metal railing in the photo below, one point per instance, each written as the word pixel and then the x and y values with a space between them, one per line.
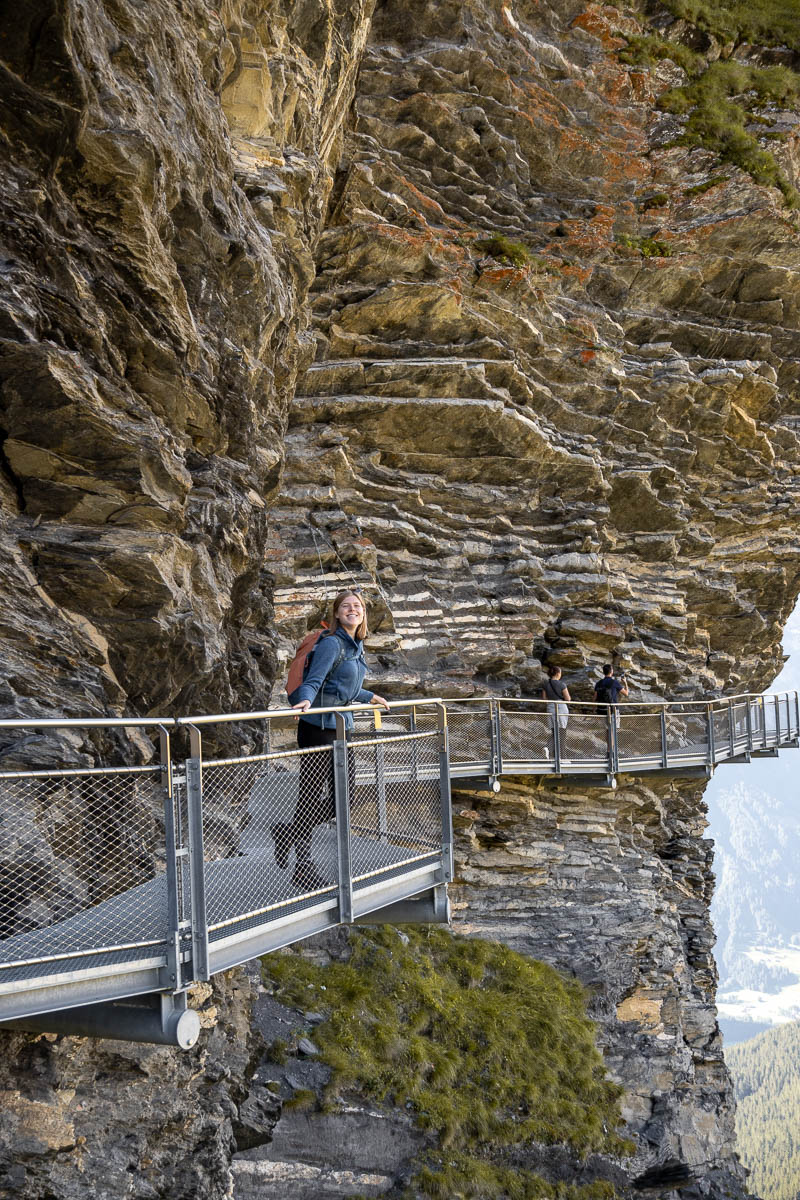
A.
pixel 130 870
pixel 120 880
pixel 493 736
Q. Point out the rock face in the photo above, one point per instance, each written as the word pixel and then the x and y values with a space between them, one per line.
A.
pixel 167 172
pixel 571 445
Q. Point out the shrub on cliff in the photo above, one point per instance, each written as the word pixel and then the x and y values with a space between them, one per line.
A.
pixel 487 1048
pixel 721 100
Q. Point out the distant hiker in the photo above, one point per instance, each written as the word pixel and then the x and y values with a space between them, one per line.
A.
pixel 334 676
pixel 608 690
pixel 558 692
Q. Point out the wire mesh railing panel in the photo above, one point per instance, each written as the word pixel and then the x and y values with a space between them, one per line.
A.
pixel 526 735
pixel 470 735
pixel 687 736
pixel 82 861
pixel 269 836
pixel 639 736
pixel 741 734
pixel 757 726
pixel 584 741
pixel 183 877
pixel 377 723
pixel 395 803
pixel 770 718
pixel 722 734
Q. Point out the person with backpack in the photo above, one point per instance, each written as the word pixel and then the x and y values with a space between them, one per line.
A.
pixel 333 675
pixel 557 692
pixel 607 692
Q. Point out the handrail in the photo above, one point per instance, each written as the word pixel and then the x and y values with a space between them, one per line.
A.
pixel 410 702
pixel 271 713
pixel 88 722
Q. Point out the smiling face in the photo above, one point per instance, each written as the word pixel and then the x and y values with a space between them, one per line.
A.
pixel 350 612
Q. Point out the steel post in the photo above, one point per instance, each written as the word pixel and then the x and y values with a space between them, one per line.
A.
pixel 342 796
pixel 428 908
pixel 194 805
pixel 444 793
pixel 172 972
pixel 731 731
pixel 664 753
pixel 497 738
pixel 710 755
pixel 613 745
pixel 556 739
pixel 749 726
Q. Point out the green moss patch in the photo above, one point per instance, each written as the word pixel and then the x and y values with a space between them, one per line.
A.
pixel 504 250
pixel 488 1049
pixel 648 247
pixel 761 22
pixel 700 189
pixel 721 100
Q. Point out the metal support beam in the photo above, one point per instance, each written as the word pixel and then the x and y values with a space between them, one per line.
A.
pixel 444 793
pixel 164 1020
pixel 429 908
pixel 342 797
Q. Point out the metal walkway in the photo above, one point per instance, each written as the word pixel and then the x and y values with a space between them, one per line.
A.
pixel 121 884
pixel 491 737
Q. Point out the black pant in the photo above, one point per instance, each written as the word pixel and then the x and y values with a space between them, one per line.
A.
pixel 316 802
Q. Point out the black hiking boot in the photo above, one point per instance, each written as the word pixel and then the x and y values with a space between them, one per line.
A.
pixel 306 877
pixel 282 837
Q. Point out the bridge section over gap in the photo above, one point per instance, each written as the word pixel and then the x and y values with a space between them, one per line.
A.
pixel 121 884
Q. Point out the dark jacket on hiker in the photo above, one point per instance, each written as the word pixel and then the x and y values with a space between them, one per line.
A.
pixel 335 676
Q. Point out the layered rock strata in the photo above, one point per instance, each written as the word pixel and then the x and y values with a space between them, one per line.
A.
pixel 588 453
pixel 166 175
pixel 573 445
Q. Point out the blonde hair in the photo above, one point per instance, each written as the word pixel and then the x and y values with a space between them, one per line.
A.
pixel 363 629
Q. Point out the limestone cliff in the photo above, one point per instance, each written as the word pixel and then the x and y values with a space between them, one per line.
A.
pixel 531 364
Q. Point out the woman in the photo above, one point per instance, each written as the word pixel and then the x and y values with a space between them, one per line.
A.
pixel 558 692
pixel 335 676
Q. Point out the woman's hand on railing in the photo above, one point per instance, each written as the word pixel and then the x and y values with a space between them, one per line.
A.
pixel 302 707
pixel 379 700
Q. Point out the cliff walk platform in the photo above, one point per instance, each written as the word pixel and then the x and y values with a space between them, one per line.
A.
pixel 123 883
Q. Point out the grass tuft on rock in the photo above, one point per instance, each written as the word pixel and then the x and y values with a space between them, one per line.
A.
pixel 721 99
pixel 488 1049
pixel 504 250
pixel 648 247
pixel 760 22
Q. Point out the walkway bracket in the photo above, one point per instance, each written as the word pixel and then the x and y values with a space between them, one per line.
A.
pixel 161 1018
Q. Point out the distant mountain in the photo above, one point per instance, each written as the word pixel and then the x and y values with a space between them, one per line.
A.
pixel 754 817
pixel 766 1076
pixel 755 823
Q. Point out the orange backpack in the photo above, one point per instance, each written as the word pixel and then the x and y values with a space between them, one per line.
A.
pixel 299 664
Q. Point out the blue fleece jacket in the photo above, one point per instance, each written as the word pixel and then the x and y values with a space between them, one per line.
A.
pixel 324 687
